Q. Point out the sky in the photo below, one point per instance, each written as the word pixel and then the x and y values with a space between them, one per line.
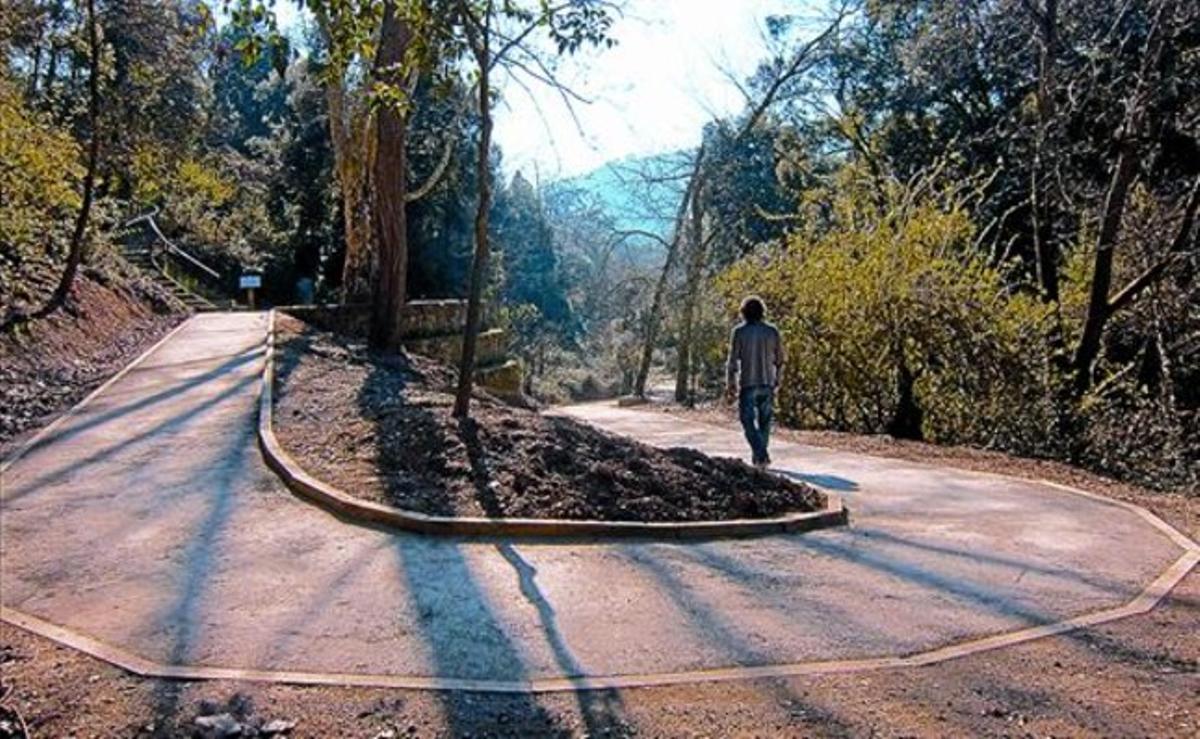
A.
pixel 653 92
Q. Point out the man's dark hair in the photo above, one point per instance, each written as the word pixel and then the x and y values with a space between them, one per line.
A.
pixel 753 309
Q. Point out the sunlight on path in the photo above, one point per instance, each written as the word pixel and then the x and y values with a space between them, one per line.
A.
pixel 149 522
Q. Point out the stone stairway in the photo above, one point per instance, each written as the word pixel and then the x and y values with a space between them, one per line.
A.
pixel 141 253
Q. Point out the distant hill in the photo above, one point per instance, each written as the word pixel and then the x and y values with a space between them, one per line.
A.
pixel 639 193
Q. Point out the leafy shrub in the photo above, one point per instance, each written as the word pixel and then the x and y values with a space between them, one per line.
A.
pixel 39 166
pixel 893 322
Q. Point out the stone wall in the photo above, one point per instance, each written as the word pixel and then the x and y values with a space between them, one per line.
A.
pixel 491 347
pixel 430 318
pixel 422 318
pixel 349 320
pixel 432 328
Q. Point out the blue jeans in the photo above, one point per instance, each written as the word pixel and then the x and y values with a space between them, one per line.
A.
pixel 755 411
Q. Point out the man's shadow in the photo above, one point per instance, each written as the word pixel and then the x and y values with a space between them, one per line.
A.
pixel 828 482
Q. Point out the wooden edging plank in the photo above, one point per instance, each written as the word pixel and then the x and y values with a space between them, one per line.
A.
pixel 355 510
pixel 143 667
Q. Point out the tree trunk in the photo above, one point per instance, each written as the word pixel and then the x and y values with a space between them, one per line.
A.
pixel 466 369
pixel 799 63
pixel 695 272
pixel 907 419
pixel 1098 311
pixel 355 165
pixel 36 72
pixel 51 70
pixel 1099 308
pixel 391 185
pixel 1045 250
pixel 75 255
pixel 352 135
pixel 660 288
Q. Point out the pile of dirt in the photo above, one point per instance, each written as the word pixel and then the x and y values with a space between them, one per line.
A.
pixel 48 364
pixel 380 427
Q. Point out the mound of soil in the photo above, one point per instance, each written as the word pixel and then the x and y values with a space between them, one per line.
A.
pixel 380 427
pixel 50 363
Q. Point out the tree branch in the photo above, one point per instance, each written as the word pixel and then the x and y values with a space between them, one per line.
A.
pixel 1176 252
pixel 798 61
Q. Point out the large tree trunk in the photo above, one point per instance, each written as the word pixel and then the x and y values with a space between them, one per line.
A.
pixel 466 370
pixel 351 132
pixel 75 255
pixel 354 158
pixel 391 187
pixel 353 135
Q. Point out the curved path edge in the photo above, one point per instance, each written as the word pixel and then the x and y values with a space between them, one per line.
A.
pixel 355 510
pixel 124 659
pixel 130 662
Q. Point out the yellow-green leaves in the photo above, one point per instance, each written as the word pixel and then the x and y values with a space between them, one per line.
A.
pixel 39 169
pixel 890 286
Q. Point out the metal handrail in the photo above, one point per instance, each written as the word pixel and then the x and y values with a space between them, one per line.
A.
pixel 149 218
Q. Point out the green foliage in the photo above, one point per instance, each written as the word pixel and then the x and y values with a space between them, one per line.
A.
pixel 440 224
pixel 531 270
pixel 39 168
pixel 891 292
pixel 745 199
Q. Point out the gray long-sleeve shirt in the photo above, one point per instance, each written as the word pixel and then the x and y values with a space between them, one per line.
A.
pixel 755 355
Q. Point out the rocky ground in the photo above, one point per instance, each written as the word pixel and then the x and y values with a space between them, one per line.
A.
pixel 380 427
pixel 49 364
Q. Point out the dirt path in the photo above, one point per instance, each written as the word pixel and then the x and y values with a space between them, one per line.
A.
pixel 149 523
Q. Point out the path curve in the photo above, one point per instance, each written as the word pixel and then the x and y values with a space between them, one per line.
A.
pixel 145 529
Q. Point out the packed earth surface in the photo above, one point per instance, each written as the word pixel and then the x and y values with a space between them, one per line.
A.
pixel 174 541
pixel 380 427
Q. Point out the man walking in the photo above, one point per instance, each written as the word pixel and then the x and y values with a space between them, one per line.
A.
pixel 755 366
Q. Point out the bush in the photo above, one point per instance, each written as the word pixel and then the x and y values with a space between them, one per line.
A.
pixel 892 322
pixel 39 167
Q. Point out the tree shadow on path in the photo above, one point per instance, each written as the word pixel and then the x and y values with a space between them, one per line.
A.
pixel 601 710
pixel 183 619
pixel 715 628
pixel 465 638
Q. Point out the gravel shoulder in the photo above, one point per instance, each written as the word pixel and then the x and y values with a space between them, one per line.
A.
pixel 380 427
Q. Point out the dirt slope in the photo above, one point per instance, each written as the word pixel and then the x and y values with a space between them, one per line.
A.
pixel 48 364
